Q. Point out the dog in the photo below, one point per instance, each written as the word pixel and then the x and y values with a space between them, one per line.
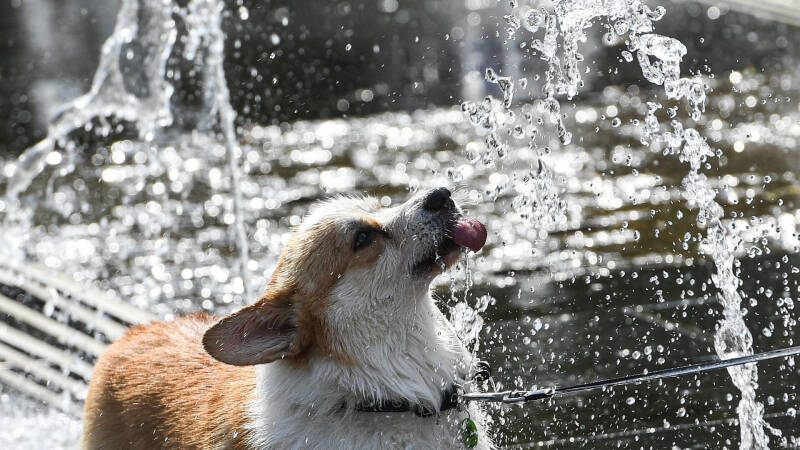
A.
pixel 345 349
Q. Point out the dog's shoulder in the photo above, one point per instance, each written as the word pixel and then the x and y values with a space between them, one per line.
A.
pixel 186 328
pixel 156 387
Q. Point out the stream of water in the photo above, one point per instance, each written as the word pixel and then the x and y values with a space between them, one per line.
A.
pixel 564 29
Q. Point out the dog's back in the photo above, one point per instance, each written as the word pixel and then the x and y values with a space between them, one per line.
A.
pixel 156 387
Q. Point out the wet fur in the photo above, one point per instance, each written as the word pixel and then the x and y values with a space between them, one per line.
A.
pixel 157 387
pixel 334 327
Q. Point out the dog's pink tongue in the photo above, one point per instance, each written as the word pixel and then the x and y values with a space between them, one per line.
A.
pixel 469 233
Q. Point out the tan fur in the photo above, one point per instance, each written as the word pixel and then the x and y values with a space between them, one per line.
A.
pixel 156 386
pixel 322 268
pixel 310 265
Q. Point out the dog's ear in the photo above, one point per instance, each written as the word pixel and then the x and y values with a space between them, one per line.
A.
pixel 258 334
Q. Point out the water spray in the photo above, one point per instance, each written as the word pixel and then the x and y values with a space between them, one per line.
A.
pixel 517 397
pixel 559 30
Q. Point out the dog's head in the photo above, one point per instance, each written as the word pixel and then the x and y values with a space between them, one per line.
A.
pixel 351 264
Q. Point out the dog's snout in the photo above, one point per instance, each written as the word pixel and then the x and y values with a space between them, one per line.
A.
pixel 437 199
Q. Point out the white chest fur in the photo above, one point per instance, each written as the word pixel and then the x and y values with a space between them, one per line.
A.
pixel 313 406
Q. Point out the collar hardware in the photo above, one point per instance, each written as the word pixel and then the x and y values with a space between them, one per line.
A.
pixel 450 400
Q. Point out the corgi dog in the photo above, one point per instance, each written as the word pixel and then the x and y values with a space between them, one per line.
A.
pixel 345 349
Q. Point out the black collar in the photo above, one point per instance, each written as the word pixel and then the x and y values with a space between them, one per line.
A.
pixel 450 398
pixel 449 401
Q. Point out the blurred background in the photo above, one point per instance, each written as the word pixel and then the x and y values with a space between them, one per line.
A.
pixel 364 96
pixel 290 60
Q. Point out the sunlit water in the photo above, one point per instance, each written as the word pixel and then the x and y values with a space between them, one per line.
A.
pixel 659 57
pixel 608 280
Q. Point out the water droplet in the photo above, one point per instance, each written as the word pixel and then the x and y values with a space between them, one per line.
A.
pixel 628 56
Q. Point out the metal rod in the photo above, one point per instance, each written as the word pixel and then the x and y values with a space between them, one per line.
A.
pixel 539 394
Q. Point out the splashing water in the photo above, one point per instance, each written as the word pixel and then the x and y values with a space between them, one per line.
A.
pixel 564 27
pixel 108 95
pixel 732 337
pixel 148 104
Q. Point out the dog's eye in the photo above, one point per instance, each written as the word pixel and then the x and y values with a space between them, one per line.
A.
pixel 363 239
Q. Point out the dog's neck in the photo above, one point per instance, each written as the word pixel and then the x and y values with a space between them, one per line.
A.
pixel 413 358
pixel 411 355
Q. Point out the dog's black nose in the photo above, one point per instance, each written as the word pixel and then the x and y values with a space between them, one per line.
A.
pixel 437 199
